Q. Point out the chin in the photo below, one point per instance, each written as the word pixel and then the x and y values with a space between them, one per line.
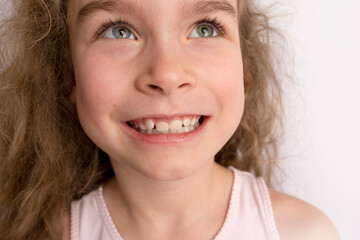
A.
pixel 170 168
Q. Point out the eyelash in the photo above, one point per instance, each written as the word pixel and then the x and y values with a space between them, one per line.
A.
pixel 110 24
pixel 207 20
pixel 214 22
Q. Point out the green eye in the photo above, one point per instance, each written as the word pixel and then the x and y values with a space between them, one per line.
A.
pixel 203 31
pixel 118 32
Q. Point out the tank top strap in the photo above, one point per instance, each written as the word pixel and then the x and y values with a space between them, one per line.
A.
pixel 267 209
pixel 91 220
pixel 250 213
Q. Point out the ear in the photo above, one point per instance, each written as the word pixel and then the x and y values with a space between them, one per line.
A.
pixel 73 95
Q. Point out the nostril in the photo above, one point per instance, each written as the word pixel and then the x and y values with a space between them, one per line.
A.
pixel 153 86
pixel 166 88
pixel 183 85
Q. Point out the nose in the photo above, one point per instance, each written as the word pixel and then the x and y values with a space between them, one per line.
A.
pixel 165 71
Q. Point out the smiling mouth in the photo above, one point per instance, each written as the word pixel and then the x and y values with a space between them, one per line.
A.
pixel 166 126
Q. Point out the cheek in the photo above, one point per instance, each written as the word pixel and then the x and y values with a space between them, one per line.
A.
pixel 227 82
pixel 99 83
pixel 95 95
pixel 97 92
pixel 229 89
pixel 91 94
pixel 231 99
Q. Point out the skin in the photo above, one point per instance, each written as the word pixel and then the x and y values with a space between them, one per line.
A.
pixel 160 191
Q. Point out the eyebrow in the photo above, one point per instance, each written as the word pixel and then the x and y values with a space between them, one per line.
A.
pixel 105 5
pixel 210 6
pixel 193 8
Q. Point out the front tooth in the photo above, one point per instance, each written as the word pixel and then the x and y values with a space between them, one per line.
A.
pixel 162 127
pixel 175 125
pixel 142 126
pixel 149 123
pixel 186 122
pixel 193 120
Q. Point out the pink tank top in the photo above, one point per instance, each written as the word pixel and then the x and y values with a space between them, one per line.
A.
pixel 249 215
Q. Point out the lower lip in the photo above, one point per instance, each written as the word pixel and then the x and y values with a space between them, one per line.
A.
pixel 166 138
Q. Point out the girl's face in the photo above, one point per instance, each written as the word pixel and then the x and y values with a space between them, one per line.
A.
pixel 157 65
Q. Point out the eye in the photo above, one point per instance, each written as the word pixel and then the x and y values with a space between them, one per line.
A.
pixel 118 32
pixel 203 31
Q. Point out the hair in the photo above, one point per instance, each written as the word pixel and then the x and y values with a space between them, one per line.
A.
pixel 46 159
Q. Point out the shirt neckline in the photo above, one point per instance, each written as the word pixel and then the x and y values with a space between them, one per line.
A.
pixel 221 234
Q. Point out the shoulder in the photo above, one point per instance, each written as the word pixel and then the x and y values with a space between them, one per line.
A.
pixel 296 219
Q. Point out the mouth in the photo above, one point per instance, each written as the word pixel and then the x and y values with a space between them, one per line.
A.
pixel 157 126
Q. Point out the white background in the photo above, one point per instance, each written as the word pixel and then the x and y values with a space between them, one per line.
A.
pixel 321 149
pixel 320 153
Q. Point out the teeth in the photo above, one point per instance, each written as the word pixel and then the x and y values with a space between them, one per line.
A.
pixel 176 125
pixel 149 123
pixel 162 127
pixel 150 126
pixel 186 122
pixel 142 126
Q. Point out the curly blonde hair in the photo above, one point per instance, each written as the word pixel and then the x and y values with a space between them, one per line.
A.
pixel 46 159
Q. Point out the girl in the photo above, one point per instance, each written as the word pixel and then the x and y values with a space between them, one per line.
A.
pixel 134 119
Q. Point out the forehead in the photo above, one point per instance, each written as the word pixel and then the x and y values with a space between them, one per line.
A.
pixel 82 9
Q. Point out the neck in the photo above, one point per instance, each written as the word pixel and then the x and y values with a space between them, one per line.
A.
pixel 169 204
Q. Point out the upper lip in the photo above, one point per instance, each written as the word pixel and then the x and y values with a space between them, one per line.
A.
pixel 165 116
